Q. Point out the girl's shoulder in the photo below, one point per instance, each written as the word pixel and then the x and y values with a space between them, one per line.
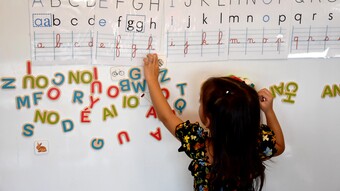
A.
pixel 190 129
pixel 192 137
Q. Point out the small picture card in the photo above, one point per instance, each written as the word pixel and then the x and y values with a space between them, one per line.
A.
pixel 41 147
pixel 119 73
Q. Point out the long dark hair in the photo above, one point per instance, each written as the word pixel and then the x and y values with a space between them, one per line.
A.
pixel 234 112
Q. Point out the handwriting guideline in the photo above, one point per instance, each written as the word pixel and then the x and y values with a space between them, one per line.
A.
pixel 119 33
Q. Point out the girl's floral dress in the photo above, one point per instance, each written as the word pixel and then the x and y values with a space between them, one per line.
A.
pixel 193 137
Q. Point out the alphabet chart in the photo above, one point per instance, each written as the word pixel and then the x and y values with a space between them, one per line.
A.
pixel 91 32
pixel 60 34
pixel 315 41
pixel 130 31
pixel 193 32
pixel 316 30
pixel 121 33
pixel 251 43
pixel 125 47
pixel 196 45
pixel 58 46
pixel 258 34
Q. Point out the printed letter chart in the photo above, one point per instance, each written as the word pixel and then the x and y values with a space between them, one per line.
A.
pixel 315 29
pixel 258 29
pixel 119 32
pixel 194 31
pixel 131 30
pixel 61 32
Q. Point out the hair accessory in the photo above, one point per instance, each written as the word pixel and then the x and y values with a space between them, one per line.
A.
pixel 244 80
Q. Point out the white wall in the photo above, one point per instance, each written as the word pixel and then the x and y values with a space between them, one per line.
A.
pixel 310 125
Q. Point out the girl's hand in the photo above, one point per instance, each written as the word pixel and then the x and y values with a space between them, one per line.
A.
pixel 266 100
pixel 151 68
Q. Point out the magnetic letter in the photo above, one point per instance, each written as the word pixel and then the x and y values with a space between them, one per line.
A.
pixel 152 112
pixel 84 115
pixel 97 143
pixel 36 97
pixel 163 75
pixel 27 130
pixel 78 96
pixel 120 137
pixel 327 91
pixel 98 84
pixel 93 101
pixel 67 125
pixel 25 102
pixel 181 86
pixel 8 83
pixel 109 113
pixel 157 135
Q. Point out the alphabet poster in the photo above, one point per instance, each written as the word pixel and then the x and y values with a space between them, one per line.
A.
pixel 315 29
pixel 131 30
pixel 62 33
pixel 92 32
pixel 117 32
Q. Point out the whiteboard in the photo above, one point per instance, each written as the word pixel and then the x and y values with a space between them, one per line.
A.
pixel 144 160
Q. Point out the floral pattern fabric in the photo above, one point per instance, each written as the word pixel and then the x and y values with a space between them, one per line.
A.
pixel 193 137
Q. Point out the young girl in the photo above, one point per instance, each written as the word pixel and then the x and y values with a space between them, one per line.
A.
pixel 229 156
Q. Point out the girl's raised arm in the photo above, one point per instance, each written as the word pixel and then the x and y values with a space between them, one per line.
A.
pixel 163 110
pixel 266 103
